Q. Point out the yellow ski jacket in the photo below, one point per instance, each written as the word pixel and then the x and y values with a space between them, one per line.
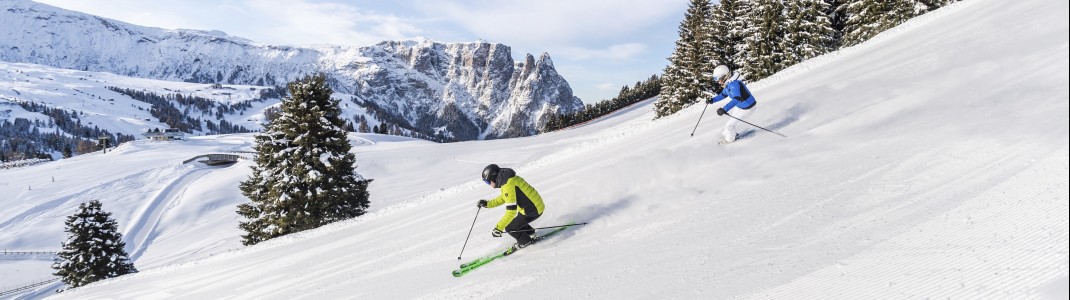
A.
pixel 521 197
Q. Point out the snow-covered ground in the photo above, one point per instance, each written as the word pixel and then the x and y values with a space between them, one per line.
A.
pixel 87 92
pixel 932 161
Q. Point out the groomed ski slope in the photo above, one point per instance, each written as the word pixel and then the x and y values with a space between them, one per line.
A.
pixel 932 161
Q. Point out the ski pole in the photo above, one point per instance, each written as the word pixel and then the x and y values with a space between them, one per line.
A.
pixel 700 118
pixel 533 229
pixel 759 127
pixel 469 232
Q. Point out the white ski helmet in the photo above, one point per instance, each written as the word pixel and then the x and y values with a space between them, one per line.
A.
pixel 720 72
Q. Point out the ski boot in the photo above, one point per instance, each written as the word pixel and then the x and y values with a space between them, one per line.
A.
pixel 517 246
pixel 724 141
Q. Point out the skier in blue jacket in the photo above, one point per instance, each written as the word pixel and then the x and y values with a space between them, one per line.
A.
pixel 738 97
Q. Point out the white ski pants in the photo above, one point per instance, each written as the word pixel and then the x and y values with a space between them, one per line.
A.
pixel 730 127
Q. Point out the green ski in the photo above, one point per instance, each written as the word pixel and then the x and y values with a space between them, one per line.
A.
pixel 472 265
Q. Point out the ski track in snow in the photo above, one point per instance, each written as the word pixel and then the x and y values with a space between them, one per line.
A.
pixel 971 255
pixel 139 233
pixel 74 196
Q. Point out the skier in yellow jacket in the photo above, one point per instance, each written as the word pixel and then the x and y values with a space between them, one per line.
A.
pixel 523 205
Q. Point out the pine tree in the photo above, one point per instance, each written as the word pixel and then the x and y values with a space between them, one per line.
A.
pixel 667 103
pixel 304 177
pixel 363 127
pixel 94 248
pixel 689 66
pixel 837 13
pixel 706 57
pixel 727 27
pixel 764 54
pixel 739 27
pixel 931 5
pixel 809 31
pixel 867 18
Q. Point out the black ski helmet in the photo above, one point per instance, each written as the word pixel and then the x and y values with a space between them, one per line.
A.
pixel 490 173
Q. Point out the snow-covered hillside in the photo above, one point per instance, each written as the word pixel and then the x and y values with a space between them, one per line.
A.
pixel 91 97
pixel 88 93
pixel 455 91
pixel 932 161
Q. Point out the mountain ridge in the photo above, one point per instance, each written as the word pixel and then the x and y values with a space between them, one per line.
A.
pixel 410 82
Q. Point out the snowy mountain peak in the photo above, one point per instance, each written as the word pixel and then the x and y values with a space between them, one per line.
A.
pixel 454 91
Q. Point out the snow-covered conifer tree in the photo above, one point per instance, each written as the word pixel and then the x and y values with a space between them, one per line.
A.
pixel 764 54
pixel 931 5
pixel 837 13
pixel 94 249
pixel 304 177
pixel 739 27
pixel 728 29
pixel 867 18
pixel 809 30
pixel 687 75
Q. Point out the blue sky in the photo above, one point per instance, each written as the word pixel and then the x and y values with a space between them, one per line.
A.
pixel 597 45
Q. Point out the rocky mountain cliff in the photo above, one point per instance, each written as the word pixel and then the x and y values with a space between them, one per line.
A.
pixel 455 91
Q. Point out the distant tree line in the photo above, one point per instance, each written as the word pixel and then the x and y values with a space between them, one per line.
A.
pixel 22 138
pixel 390 124
pixel 757 38
pixel 276 92
pixel 224 127
pixel 640 91
pixel 164 109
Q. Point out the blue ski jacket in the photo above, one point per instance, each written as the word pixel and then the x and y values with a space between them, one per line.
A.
pixel 738 96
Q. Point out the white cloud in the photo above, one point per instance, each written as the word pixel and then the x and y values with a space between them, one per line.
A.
pixel 553 21
pixel 615 53
pixel 295 22
pixel 607 86
pixel 307 22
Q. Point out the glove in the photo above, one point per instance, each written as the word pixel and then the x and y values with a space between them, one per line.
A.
pixel 482 203
pixel 709 101
pixel 721 111
pixel 496 233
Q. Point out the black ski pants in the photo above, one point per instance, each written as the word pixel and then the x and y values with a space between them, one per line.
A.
pixel 522 222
